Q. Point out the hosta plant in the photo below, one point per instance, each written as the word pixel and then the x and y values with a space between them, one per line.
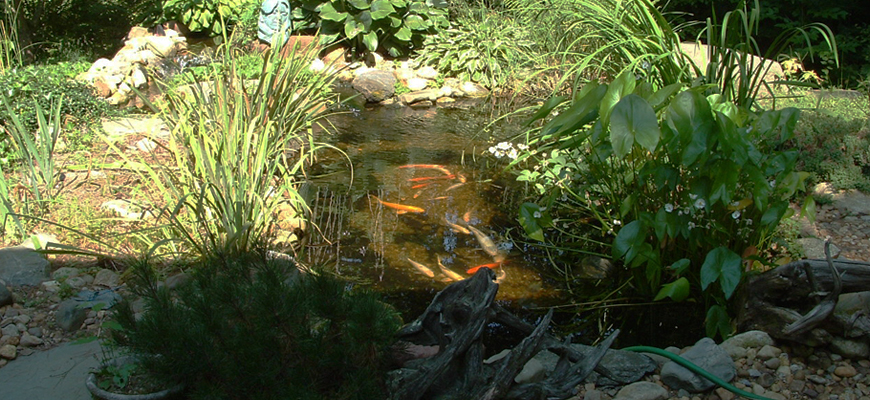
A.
pixel 396 26
pixel 210 16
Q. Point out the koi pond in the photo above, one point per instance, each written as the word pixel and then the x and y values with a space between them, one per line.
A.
pixel 425 204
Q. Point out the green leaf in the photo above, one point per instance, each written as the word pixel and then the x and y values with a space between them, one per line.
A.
pixel 691 118
pixel 723 265
pixel 677 290
pixel 416 23
pixel 583 111
pixel 808 209
pixel 370 39
pixel 329 13
pixel 717 321
pixel 774 214
pixel 533 220
pixel 660 97
pixel 545 109
pixel 619 88
pixel 382 9
pixel 633 120
pixel 399 3
pixel 359 4
pixel 629 241
pixel 680 265
pixel 403 34
pixel 352 28
pixel 396 22
pixel 418 7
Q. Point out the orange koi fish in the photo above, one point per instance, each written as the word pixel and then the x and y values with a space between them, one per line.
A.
pixel 429 166
pixel 421 185
pixel 400 207
pixel 454 186
pixel 429 178
pixel 490 266
pixel 456 227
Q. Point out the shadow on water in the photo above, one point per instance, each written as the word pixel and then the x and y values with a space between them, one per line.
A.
pixel 429 159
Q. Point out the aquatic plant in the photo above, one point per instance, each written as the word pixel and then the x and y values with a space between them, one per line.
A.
pixel 681 188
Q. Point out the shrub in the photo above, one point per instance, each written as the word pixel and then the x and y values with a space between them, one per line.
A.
pixel 244 328
pixel 397 26
pixel 486 49
pixel 681 189
pixel 210 16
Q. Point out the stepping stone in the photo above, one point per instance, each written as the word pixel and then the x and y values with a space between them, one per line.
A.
pixel 58 373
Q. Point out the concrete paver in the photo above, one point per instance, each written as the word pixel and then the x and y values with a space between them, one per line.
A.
pixel 54 374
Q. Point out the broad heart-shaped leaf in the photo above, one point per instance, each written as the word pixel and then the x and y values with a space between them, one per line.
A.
pixel 680 265
pixel 583 111
pixel 418 7
pixel 633 120
pixel 723 265
pixel 382 9
pixel 619 88
pixel 437 3
pixel 360 4
pixel 370 39
pixel 415 22
pixel 329 13
pixel 352 28
pixel 677 290
pixel 717 321
pixel 403 34
pixel 629 241
pixel 691 118
pixel 533 223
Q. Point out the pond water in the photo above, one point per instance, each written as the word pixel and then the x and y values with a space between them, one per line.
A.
pixel 429 161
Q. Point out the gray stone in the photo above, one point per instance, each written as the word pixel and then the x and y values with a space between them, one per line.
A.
pixel 814 248
pixel 65 273
pixel 10 330
pixel 107 278
pixel 39 241
pixel 705 354
pixel 28 340
pixel 850 348
pixel 35 331
pixel 5 296
pixel 420 95
pixel 749 339
pixel 8 352
pixel 23 266
pixel 624 367
pixel 642 391
pixel 594 267
pixel 104 299
pixel 533 371
pixel 58 373
pixel 70 315
pixel 767 352
pixel 175 281
pixel 852 202
pixel 375 85
pixel 80 281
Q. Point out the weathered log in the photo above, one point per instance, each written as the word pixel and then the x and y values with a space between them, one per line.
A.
pixel 821 311
pixel 455 322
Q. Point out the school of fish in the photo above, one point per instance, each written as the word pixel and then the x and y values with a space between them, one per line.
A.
pixel 486 243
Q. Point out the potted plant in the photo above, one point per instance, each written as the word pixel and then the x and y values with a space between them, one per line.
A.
pixel 123 378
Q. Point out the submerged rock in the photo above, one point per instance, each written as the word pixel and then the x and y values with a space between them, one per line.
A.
pixel 375 86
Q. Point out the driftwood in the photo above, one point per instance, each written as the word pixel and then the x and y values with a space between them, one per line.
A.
pixel 455 322
pixel 792 301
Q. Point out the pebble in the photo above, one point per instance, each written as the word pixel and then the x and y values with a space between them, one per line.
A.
pixel 845 371
pixel 8 351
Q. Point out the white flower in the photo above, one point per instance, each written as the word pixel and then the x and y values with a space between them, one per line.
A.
pixel 691 225
pixel 537 214
pixel 693 196
pixel 773 184
pixel 669 207
pixel 513 154
pixel 735 214
pixel 700 203
pixel 617 222
pixel 505 145
pixel 522 146
pixel 492 149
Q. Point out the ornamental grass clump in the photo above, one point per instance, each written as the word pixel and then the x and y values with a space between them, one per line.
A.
pixel 252 328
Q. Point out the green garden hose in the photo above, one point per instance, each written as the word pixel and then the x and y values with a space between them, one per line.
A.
pixel 696 369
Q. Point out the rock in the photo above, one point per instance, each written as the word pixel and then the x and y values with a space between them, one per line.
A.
pixel 427 72
pixel 28 340
pixel 8 352
pixel 419 96
pixel 594 267
pixel 767 352
pixel 38 241
pixel 642 391
pixel 5 295
pixel 175 281
pixel 35 331
pixel 533 371
pixel 138 78
pixel 137 31
pixel 814 248
pixel 107 278
pixel 126 209
pixel 624 366
pixel 416 84
pixel 747 340
pixel 725 394
pixel 23 266
pixel 80 281
pixel 845 371
pixel 65 273
pixel 853 349
pixel 10 330
pixel 705 354
pixel 70 315
pixel 853 202
pixel 375 86
pixel 145 145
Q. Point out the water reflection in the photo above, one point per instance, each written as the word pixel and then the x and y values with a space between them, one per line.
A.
pixel 418 185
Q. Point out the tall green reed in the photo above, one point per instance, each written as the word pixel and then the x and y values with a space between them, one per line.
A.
pixel 231 165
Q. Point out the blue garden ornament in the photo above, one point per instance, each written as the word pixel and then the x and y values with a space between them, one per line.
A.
pixel 274 22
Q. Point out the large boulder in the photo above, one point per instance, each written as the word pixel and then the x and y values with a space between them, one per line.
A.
pixel 375 85
pixel 705 354
pixel 23 266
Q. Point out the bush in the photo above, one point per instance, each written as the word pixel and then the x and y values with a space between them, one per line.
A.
pixel 244 328
pixel 681 189
pixel 486 50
